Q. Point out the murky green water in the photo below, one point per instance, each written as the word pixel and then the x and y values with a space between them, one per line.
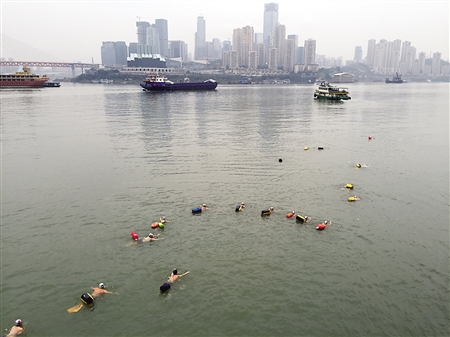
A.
pixel 84 165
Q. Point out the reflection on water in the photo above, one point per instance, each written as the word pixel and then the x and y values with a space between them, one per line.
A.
pixel 84 165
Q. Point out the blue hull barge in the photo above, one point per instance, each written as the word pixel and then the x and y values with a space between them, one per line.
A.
pixel 161 83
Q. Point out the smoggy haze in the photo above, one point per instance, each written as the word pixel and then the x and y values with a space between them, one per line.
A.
pixel 75 30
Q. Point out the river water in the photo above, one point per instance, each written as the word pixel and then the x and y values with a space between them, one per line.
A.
pixel 85 165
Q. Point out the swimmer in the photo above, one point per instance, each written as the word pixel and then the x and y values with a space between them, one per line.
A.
pixel 358 165
pixel 97 291
pixel 354 198
pixel 322 226
pixel 303 219
pixel 203 207
pixel 163 220
pixel 166 286
pixel 240 207
pixel 290 215
pixel 151 237
pixel 16 330
pixel 88 299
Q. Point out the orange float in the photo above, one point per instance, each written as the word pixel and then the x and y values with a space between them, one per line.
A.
pixel 290 215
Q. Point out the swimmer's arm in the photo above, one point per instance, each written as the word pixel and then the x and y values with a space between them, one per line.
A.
pixel 154 239
pixel 184 274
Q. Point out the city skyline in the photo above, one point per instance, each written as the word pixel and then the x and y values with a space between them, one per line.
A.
pixel 81 39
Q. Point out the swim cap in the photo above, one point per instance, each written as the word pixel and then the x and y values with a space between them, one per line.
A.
pixel 325 222
pixel 271 208
pixel 242 203
pixel 101 285
pixel 293 212
pixel 306 217
pixel 164 218
pixel 18 322
pixel 204 205
pixel 150 235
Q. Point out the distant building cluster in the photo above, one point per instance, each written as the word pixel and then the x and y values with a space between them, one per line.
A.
pixel 389 57
pixel 269 51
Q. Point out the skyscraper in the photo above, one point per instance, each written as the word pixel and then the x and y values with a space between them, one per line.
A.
pixel 270 21
pixel 163 31
pixel 310 52
pixel 142 32
pixel 114 53
pixel 278 41
pixel 370 58
pixel 358 54
pixel 200 39
pixel 153 40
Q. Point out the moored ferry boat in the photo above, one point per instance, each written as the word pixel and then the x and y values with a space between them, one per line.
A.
pixel 156 82
pixel 22 79
pixel 330 92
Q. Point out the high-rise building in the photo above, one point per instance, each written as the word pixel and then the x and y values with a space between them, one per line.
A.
pixel 253 60
pixel 153 40
pixel 295 38
pixel 243 43
pixel 114 53
pixel 371 53
pixel 178 49
pixel 261 49
pixel 278 41
pixel 226 45
pixel 132 48
pixel 436 64
pixel 300 56
pixel 273 59
pixel 358 54
pixel 142 32
pixel 270 21
pixel 163 31
pixel 310 52
pixel 258 39
pixel 200 39
pixel 289 55
pixel 422 57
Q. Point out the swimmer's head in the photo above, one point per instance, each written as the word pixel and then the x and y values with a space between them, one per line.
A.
pixel 242 203
pixel 358 165
pixel 164 218
pixel 293 212
pixel 204 205
pixel 306 217
pixel 18 322
pixel 325 222
pixel 271 208
pixel 175 272
pixel 101 285
pixel 150 235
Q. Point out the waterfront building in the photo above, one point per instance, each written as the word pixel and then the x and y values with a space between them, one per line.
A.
pixel 343 78
pixel 295 38
pixel 163 31
pixel 243 43
pixel 200 39
pixel 132 48
pixel 270 21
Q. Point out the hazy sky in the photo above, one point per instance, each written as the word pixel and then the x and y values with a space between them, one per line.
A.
pixel 74 30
